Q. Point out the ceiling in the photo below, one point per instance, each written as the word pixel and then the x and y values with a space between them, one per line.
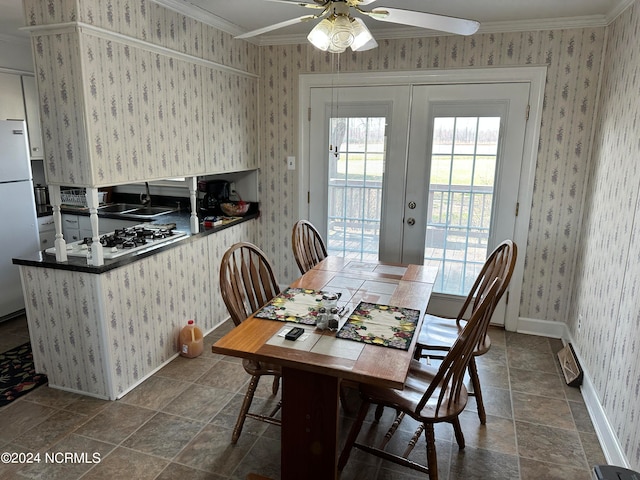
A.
pixel 239 16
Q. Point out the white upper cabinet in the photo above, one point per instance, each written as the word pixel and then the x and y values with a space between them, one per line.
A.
pixel 117 109
pixel 11 103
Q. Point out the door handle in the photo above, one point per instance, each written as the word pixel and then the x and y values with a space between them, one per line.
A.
pixel 411 221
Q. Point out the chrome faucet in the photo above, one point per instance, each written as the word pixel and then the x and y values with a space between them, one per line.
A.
pixel 145 197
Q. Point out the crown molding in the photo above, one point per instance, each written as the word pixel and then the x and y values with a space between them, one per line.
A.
pixel 193 11
pixel 618 9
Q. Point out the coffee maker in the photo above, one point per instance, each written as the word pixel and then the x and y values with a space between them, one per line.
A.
pixel 215 193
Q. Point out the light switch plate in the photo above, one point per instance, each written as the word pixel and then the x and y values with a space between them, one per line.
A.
pixel 291 163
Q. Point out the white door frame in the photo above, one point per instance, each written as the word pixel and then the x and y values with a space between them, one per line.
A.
pixel 534 75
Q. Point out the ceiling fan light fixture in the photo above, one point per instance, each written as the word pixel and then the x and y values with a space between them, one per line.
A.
pixel 320 35
pixel 362 36
pixel 342 35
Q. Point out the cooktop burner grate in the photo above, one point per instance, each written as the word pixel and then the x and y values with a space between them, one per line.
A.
pixel 124 241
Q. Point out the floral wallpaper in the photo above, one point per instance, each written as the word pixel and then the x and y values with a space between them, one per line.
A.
pixel 573 59
pixel 608 268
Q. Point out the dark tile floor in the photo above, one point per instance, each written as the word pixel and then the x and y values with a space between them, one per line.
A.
pixel 177 424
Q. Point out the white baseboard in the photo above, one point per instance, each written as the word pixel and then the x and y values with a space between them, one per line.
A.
pixel 543 328
pixel 604 431
pixel 78 392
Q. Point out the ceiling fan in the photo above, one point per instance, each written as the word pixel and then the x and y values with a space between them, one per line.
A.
pixel 338 29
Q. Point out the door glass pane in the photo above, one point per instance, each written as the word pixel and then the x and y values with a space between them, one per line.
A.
pixel 356 166
pixel 463 170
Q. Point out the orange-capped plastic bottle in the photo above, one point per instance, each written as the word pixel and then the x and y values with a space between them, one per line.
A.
pixel 191 340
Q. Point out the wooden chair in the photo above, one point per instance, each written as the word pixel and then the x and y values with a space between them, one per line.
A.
pixel 429 396
pixel 308 247
pixel 439 334
pixel 247 282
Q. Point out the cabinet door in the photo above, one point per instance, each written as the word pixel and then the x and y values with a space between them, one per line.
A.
pixel 47 239
pixel 32 107
pixel 46 231
pixel 11 103
pixel 84 227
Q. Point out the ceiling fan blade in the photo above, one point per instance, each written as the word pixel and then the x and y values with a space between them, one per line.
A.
pixel 303 4
pixel 276 26
pixel 431 21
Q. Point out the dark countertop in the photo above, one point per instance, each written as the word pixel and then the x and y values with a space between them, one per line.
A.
pixel 79 264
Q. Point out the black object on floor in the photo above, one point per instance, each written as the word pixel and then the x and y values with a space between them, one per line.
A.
pixel 17 373
pixel 611 472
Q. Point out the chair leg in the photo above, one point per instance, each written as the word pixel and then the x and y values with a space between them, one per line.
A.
pixel 246 403
pixel 432 457
pixel 353 435
pixel 379 412
pixel 458 432
pixel 417 353
pixel 276 385
pixel 477 392
pixel 413 441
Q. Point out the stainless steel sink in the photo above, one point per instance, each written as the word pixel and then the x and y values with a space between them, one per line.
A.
pixel 151 211
pixel 118 208
pixel 135 211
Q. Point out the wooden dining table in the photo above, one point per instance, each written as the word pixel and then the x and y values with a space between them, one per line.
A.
pixel 313 369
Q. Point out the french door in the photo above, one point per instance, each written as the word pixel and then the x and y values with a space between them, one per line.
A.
pixel 425 174
pixel 360 134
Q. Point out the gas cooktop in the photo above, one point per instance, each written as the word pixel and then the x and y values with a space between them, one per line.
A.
pixel 125 241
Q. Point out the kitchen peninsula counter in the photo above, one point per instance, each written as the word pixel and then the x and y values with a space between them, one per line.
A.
pixel 101 331
pixel 79 264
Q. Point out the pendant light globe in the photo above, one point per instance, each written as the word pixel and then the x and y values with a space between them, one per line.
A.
pixel 363 40
pixel 320 35
pixel 342 35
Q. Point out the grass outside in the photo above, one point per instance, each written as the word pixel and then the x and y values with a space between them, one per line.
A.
pixel 462 172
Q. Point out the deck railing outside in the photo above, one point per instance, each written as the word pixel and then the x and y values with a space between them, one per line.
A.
pixel 458 223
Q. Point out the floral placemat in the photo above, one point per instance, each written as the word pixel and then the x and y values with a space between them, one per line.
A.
pixel 381 325
pixel 298 305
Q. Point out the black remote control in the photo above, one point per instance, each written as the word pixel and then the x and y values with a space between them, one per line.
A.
pixel 294 333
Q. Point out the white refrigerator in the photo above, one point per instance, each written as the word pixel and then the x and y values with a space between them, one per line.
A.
pixel 17 213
